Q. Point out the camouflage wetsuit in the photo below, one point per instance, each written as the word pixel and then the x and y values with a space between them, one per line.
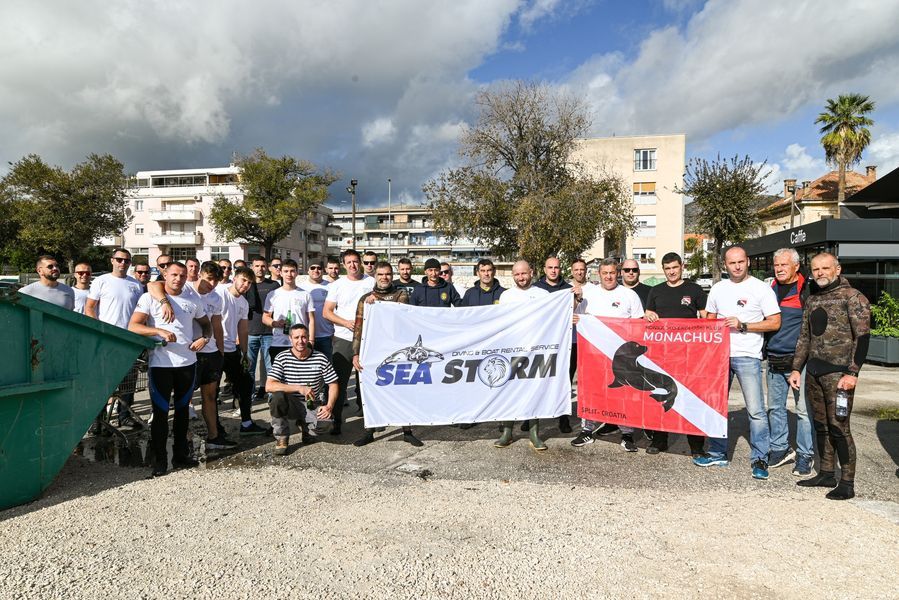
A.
pixel 833 342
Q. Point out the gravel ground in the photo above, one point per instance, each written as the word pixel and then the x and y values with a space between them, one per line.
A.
pixel 459 519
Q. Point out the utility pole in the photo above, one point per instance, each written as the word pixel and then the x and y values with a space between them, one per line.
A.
pixel 389 224
pixel 352 190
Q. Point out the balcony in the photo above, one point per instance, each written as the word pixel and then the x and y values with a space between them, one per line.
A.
pixel 313 247
pixel 172 216
pixel 115 240
pixel 333 230
pixel 313 226
pixel 177 238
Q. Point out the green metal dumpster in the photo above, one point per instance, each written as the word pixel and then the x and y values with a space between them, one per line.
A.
pixel 57 369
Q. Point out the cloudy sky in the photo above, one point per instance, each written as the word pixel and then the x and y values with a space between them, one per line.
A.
pixel 380 89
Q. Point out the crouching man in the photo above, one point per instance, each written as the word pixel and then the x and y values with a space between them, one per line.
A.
pixel 298 377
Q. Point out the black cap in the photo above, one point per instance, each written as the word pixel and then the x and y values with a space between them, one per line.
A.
pixel 432 263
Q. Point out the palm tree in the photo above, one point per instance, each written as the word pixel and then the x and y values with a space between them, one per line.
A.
pixel 846 133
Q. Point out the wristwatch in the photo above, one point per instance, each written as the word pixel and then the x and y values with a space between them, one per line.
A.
pixel 742 327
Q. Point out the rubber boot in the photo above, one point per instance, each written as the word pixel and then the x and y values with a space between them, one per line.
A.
pixel 822 479
pixel 536 443
pixel 506 438
pixel 844 491
pixel 525 425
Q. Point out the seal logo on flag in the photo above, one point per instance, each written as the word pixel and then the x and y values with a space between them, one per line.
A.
pixel 494 370
pixel 628 372
pixel 416 353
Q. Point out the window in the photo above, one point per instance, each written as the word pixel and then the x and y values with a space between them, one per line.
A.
pixel 645 159
pixel 138 205
pixel 645 192
pixel 219 252
pixel 139 229
pixel 644 255
pixel 140 255
pixel 646 226
pixel 182 254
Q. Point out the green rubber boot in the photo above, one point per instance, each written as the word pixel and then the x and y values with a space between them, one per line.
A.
pixel 536 443
pixel 506 438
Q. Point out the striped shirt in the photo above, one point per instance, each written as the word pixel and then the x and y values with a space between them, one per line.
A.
pixel 314 371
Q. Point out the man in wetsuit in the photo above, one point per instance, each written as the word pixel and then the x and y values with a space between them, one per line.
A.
pixel 833 344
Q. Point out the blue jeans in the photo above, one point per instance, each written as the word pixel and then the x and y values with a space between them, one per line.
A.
pixel 324 345
pixel 749 373
pixel 778 392
pixel 256 345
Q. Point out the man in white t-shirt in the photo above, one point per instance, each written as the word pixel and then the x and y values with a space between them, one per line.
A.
pixel 285 307
pixel 82 285
pixel 340 309
pixel 48 288
pixel 173 366
pixel 317 287
pixel 608 299
pixel 750 308
pixel 522 291
pixel 112 299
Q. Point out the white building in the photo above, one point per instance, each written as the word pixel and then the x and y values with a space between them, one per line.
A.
pixel 170 215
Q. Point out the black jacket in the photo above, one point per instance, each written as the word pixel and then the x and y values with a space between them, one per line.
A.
pixel 476 296
pixel 442 294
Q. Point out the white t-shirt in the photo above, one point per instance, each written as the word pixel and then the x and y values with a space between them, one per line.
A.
pixel 212 305
pixel 618 302
pixel 346 293
pixel 750 301
pixel 234 309
pixel 117 297
pixel 280 303
pixel 177 353
pixel 516 294
pixel 80 299
pixel 319 291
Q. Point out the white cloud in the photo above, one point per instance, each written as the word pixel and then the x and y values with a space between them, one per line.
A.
pixel 740 63
pixel 377 131
pixel 797 159
pixel 883 152
pixel 537 10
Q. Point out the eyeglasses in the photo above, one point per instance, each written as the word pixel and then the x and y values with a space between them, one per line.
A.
pixel 630 270
pixel 163 265
pixel 225 268
pixel 315 268
pixel 121 260
pixel 142 272
pixel 82 272
pixel 369 262
pixel 274 266
pixel 444 272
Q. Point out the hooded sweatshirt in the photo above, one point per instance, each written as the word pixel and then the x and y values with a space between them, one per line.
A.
pixel 442 294
pixel 478 296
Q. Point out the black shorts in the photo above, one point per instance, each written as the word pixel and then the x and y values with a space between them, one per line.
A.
pixel 209 367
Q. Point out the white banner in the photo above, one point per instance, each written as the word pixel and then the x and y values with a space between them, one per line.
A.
pixel 436 366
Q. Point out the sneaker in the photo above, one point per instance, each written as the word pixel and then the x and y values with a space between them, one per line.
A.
pixel 253 429
pixel 655 449
pixel 220 442
pixel 606 429
pixel 410 438
pixel 628 443
pixel 781 457
pixel 365 440
pixel 281 445
pixel 585 437
pixel 759 469
pixel 803 466
pixel 707 460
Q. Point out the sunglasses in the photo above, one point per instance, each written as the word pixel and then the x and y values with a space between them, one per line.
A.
pixel 315 268
pixel 51 267
pixel 630 270
pixel 225 268
pixel 121 260
pixel 369 262
pixel 142 272
pixel 163 265
pixel 444 272
pixel 274 266
pixel 82 272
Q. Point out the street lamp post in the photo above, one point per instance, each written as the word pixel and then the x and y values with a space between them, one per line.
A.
pixel 352 190
pixel 389 224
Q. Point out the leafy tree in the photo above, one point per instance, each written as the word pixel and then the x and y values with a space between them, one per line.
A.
pixel 64 212
pixel 276 192
pixel 725 192
pixel 845 133
pixel 520 191
pixel 699 261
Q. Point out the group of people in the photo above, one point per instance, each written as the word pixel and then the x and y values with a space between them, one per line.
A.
pixel 222 318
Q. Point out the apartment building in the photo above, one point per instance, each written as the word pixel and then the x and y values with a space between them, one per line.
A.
pixel 651 166
pixel 404 231
pixel 170 215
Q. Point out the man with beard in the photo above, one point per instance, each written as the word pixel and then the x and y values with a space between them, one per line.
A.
pixel 259 334
pixel 332 270
pixel 405 281
pixel 630 277
pixel 487 290
pixel 48 288
pixel 383 291
pixel 833 344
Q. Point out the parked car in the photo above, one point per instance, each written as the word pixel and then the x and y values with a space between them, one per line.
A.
pixel 705 280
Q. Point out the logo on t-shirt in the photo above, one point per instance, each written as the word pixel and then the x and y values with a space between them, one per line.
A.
pixel 685 301
pixel 742 302
pixel 616 304
pixel 443 296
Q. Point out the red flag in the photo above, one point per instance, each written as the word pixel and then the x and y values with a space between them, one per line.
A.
pixel 670 375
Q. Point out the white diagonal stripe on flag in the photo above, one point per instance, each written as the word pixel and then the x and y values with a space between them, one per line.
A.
pixel 687 404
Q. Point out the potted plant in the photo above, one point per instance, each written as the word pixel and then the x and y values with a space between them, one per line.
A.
pixel 884 347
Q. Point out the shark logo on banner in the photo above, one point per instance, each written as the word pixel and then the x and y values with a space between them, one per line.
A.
pixel 673 379
pixel 467 365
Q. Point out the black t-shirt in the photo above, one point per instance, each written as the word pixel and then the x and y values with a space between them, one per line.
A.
pixel 642 291
pixel 409 287
pixel 679 302
pixel 256 299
